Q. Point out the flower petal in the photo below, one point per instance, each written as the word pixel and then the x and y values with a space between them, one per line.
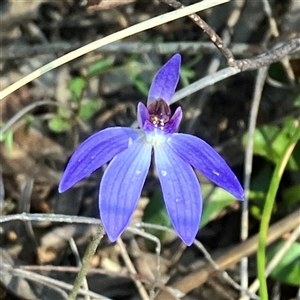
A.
pixel 165 81
pixel 181 191
pixel 203 157
pixel 173 124
pixel 142 114
pixel 96 151
pixel 121 187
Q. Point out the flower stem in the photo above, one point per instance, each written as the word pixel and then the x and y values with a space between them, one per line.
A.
pixel 267 211
pixel 90 251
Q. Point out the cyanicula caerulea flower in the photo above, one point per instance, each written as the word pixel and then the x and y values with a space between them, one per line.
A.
pixel 130 151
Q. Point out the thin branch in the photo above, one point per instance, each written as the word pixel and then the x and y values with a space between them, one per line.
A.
pixel 159 20
pixel 215 60
pixel 24 111
pixel 142 291
pixel 86 220
pixel 279 255
pixel 272 23
pixel 83 220
pixel 275 32
pixel 249 247
pixel 204 82
pixel 90 251
pixel 75 251
pixel 225 275
pixel 190 48
pixel 280 51
pixel 259 84
pixel 50 217
pixel 231 257
pixel 275 260
pixel 70 269
pixel 206 254
pixel 208 30
pixel 45 280
pixel 154 239
pixel 276 54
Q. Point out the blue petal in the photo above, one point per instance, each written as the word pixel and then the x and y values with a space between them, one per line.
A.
pixel 121 187
pixel 142 114
pixel 203 157
pixel 96 151
pixel 165 81
pixel 181 191
pixel 173 124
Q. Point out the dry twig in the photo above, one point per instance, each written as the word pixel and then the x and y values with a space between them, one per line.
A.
pixel 109 39
pixel 198 277
pixel 46 280
pixel 142 291
pixel 260 81
pixel 191 48
pixel 209 31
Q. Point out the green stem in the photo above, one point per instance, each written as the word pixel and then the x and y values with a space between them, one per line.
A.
pixel 90 251
pixel 267 211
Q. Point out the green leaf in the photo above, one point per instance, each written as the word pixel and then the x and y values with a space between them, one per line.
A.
pixel 288 269
pixel 99 67
pixel 156 213
pixel 187 73
pixel 63 113
pixel 294 162
pixel 76 87
pixel 216 199
pixel 28 122
pixel 256 211
pixel 270 141
pixel 58 125
pixel 135 70
pixel 291 196
pixel 3 136
pixel 89 108
pixel 297 101
pixel 141 85
pixel 260 183
pixel 8 139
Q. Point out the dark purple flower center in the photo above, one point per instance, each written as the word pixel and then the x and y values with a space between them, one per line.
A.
pixel 160 113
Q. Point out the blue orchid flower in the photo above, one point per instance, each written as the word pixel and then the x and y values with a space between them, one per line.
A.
pixel 130 151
